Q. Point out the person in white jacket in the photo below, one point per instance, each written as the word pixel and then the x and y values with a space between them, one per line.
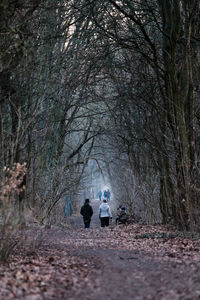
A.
pixel 104 213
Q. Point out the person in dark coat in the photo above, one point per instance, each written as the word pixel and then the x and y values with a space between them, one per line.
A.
pixel 86 212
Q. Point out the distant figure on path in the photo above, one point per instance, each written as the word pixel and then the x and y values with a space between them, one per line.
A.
pixel 86 212
pixel 105 194
pixel 100 195
pixel 108 195
pixel 104 213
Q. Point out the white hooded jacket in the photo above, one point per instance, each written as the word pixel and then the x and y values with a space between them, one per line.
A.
pixel 104 210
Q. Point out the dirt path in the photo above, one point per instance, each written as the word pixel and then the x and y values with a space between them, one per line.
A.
pixel 133 273
pixel 105 263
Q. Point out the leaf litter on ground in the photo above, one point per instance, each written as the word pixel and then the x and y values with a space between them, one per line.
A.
pixel 56 260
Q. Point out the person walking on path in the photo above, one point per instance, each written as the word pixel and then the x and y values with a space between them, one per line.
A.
pixel 100 195
pixel 86 212
pixel 104 213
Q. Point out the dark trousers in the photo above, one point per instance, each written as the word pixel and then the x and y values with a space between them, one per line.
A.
pixel 104 221
pixel 87 223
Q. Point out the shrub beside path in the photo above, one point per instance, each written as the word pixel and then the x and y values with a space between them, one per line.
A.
pixel 118 262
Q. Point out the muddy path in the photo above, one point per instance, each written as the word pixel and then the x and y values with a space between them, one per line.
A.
pixel 119 262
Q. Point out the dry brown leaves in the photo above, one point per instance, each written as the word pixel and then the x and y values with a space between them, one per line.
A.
pixel 159 241
pixel 47 274
pixel 55 268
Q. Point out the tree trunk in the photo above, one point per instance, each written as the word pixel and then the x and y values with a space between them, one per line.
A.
pixel 179 103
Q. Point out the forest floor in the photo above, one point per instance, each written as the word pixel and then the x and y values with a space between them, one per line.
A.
pixel 119 262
